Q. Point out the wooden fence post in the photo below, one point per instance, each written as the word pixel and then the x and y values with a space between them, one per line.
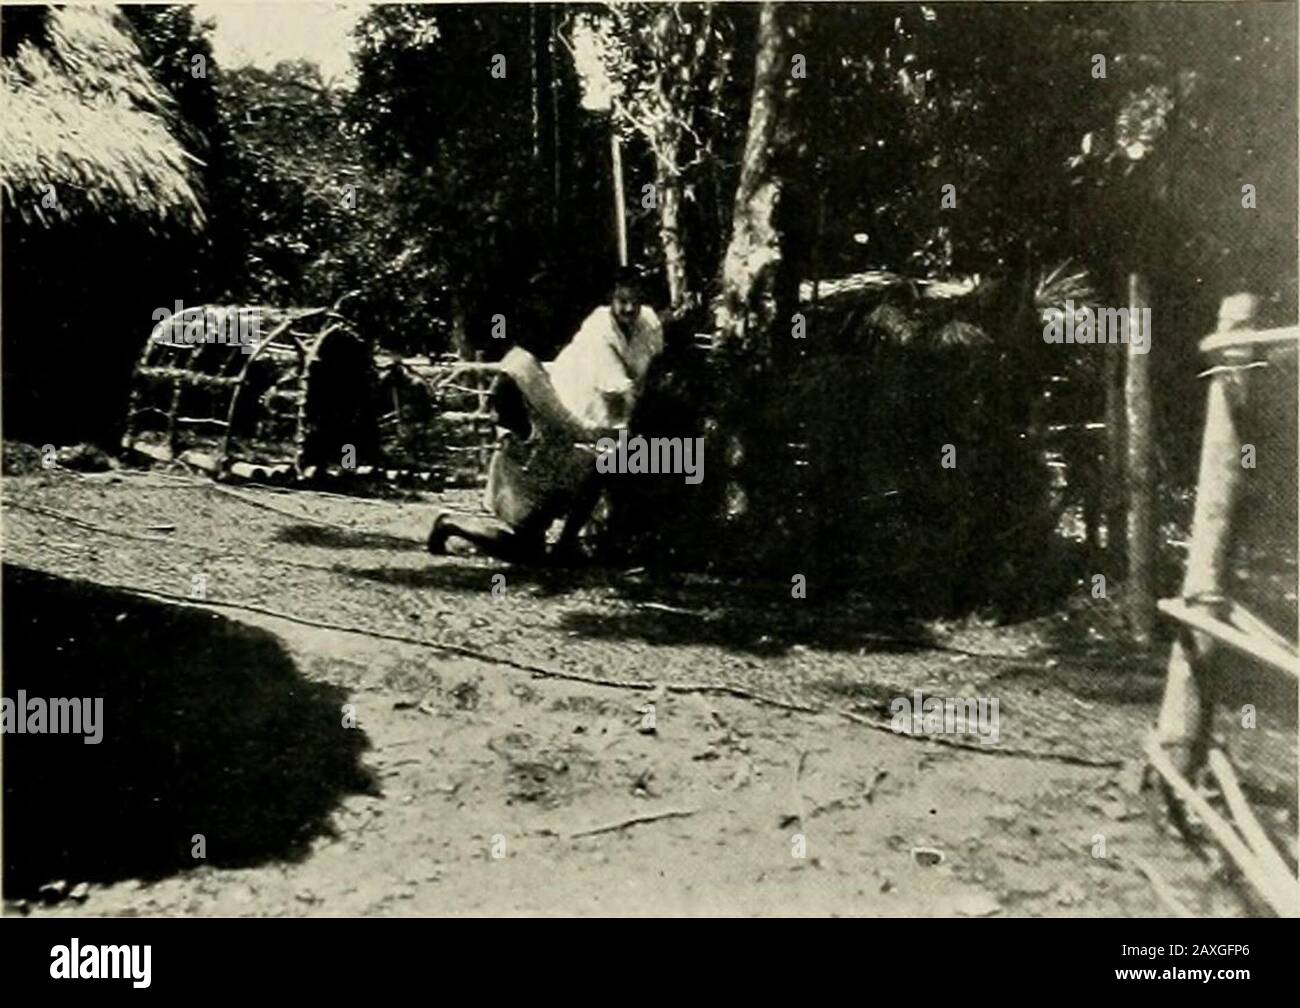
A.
pixel 1182 725
pixel 1115 470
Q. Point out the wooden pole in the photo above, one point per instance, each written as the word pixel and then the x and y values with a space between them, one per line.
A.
pixel 620 209
pixel 1280 898
pixel 1115 468
pixel 1182 725
pixel 533 85
pixel 553 78
pixel 1250 829
pixel 1139 592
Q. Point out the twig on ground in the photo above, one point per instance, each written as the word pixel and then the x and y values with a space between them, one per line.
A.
pixel 870 793
pixel 740 694
pixel 456 649
pixel 1112 862
pixel 986 750
pixel 634 821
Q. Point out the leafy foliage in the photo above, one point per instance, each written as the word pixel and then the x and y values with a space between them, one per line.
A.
pixel 672 72
pixel 313 219
pixel 494 176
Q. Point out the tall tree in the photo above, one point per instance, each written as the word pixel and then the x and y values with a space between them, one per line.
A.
pixel 1140 459
pixel 668 64
pixel 756 286
pixel 445 98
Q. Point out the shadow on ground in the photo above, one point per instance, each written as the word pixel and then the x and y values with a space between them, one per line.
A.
pixel 755 617
pixel 758 630
pixel 327 537
pixel 1110 682
pixel 475 578
pixel 208 728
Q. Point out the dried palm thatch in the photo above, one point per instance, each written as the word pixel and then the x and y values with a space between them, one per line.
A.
pixel 940 313
pixel 82 114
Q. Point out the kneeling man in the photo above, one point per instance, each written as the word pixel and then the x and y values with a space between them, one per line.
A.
pixel 544 464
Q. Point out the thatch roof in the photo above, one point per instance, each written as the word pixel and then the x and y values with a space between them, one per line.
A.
pixel 82 113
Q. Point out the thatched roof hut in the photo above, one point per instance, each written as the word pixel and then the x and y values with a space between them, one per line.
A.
pixel 82 113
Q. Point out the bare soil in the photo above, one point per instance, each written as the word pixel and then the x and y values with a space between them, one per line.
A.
pixel 500 760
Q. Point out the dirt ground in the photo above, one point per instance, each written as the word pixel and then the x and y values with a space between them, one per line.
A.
pixel 501 761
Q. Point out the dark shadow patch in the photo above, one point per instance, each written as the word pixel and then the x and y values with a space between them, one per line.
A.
pixel 326 537
pixel 208 728
pixel 761 629
pixel 474 580
pixel 861 696
pixel 1106 682
pixel 754 617
pixel 735 633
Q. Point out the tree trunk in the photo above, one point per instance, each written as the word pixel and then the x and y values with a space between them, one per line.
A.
pixel 670 236
pixel 620 202
pixel 758 287
pixel 668 183
pixel 459 330
pixel 1139 591
pixel 752 284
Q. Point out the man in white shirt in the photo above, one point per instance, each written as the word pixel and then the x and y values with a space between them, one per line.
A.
pixel 600 374
pixel 588 392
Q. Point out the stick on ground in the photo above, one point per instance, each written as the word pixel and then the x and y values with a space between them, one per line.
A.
pixel 634 821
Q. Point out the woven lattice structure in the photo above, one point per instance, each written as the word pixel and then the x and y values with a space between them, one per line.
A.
pixel 259 392
pixel 436 416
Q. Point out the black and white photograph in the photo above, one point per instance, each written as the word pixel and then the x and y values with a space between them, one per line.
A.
pixel 650 460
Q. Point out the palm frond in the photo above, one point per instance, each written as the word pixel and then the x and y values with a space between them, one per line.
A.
pixel 960 333
pixel 1059 285
pixel 895 323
